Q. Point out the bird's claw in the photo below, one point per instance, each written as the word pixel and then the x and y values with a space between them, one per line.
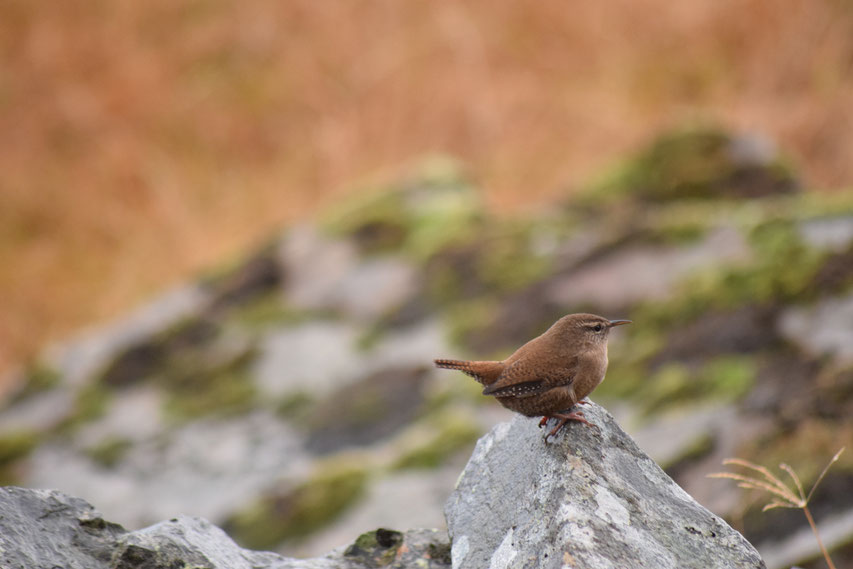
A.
pixel 564 419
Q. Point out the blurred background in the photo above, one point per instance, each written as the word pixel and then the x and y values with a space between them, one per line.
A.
pixel 307 189
pixel 143 142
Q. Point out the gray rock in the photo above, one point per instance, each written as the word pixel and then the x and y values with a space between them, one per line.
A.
pixel 328 274
pixel 828 233
pixel 824 329
pixel 590 498
pixel 653 271
pixel 39 413
pixel 43 529
pixel 314 358
pixel 206 468
pixel 78 360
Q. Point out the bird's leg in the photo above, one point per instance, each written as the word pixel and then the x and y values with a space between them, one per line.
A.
pixel 564 418
pixel 544 419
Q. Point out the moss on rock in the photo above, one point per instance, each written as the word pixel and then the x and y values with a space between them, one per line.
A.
pixel 449 433
pixel 15 446
pixel 697 163
pixel 39 376
pixel 197 387
pixel 110 451
pixel 90 403
pixel 293 513
pixel 419 217
pixel 726 377
pixel 376 548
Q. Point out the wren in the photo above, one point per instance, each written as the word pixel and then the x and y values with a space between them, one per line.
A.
pixel 551 373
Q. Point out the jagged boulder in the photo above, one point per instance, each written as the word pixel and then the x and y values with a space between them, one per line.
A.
pixel 589 499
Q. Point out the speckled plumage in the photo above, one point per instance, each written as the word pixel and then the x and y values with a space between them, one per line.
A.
pixel 550 373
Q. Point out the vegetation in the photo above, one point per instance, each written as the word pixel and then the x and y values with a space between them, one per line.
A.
pixel 782 495
pixel 293 513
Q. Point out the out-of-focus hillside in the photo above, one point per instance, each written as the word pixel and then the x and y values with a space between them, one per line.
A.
pixel 142 141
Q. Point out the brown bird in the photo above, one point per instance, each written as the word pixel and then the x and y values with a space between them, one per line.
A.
pixel 551 373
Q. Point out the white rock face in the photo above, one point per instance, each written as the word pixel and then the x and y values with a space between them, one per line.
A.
pixel 591 498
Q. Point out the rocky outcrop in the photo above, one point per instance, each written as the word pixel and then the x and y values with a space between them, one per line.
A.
pixel 589 499
pixel 45 529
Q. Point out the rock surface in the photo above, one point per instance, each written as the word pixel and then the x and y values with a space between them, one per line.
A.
pixel 591 498
pixel 45 529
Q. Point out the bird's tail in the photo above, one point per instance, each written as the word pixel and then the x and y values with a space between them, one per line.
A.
pixel 484 372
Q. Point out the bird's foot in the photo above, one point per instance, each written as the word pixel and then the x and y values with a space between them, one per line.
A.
pixel 544 419
pixel 564 418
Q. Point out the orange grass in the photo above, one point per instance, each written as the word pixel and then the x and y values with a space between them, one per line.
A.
pixel 142 141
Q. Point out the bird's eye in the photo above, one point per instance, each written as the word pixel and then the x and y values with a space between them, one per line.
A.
pixel 597 327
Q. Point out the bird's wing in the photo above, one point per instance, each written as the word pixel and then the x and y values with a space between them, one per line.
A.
pixel 519 380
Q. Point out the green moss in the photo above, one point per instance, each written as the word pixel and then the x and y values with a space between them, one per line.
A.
pixel 444 285
pixel 270 310
pixel 90 403
pixel 110 451
pixel 39 377
pixel 418 217
pixel 378 219
pixel 781 273
pixel 508 261
pixel 689 163
pixel 450 433
pixel 441 552
pixel 727 378
pixel 668 385
pixel 155 356
pixel 263 311
pixel 295 406
pixel 465 318
pixel 370 336
pixel 222 392
pixel 376 548
pixel 16 445
pixel 300 511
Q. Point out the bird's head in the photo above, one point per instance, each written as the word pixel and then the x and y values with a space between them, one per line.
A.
pixel 587 329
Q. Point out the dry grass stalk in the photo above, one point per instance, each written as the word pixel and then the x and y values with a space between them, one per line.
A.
pixel 784 496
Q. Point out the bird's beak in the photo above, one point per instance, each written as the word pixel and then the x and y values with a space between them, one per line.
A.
pixel 619 322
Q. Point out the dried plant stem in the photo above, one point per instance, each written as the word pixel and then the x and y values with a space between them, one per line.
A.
pixel 782 495
pixel 817 537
